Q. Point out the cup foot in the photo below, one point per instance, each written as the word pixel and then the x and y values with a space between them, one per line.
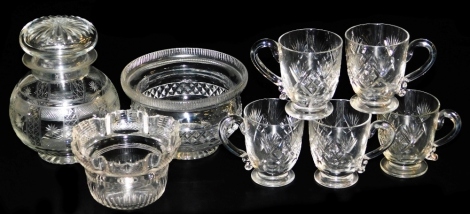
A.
pixel 193 155
pixel 304 114
pixel 336 182
pixel 403 171
pixel 272 181
pixel 58 159
pixel 358 104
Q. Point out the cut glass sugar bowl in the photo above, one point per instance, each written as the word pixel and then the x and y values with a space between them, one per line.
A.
pixel 198 87
pixel 61 88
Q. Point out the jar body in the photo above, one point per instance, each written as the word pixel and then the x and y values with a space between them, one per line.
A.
pixel 43 111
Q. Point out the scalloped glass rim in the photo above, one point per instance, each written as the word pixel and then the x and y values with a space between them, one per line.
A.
pixel 173 55
pixel 79 146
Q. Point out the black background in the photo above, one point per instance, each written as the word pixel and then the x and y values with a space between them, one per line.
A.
pixel 219 183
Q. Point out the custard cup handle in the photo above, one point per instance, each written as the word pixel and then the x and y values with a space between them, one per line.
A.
pixel 386 126
pixel 418 43
pixel 456 120
pixel 261 67
pixel 227 126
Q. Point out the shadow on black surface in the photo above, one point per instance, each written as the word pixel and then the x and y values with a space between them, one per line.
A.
pixel 417 199
pixel 67 178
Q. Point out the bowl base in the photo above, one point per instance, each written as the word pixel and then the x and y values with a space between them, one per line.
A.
pixel 193 155
pixel 57 159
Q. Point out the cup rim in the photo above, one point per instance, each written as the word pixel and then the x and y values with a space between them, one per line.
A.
pixel 368 120
pixel 348 38
pixel 435 110
pixel 340 46
pixel 245 116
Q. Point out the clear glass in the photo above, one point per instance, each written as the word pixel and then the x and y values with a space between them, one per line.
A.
pixel 338 144
pixel 310 63
pixel 126 156
pixel 416 121
pixel 61 89
pixel 376 57
pixel 197 87
pixel 273 141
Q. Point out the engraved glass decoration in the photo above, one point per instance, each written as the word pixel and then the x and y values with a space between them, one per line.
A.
pixel 416 120
pixel 310 63
pixel 376 58
pixel 273 140
pixel 126 156
pixel 197 87
pixel 338 144
pixel 61 89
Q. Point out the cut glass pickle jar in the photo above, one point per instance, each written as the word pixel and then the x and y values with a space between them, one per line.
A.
pixel 61 88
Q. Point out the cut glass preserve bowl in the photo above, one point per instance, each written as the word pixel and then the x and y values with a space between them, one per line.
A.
pixel 198 87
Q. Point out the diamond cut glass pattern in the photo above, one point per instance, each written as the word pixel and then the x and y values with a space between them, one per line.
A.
pixel 183 88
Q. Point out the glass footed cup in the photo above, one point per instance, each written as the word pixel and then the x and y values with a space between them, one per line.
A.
pixel 273 140
pixel 338 144
pixel 376 57
pixel 126 156
pixel 310 63
pixel 197 87
pixel 417 119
